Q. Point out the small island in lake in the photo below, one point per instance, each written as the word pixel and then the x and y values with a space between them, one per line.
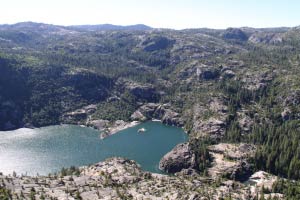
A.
pixel 141 130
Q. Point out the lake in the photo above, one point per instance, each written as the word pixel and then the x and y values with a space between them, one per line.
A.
pixel 48 149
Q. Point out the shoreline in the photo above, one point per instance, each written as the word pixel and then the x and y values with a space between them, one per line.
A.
pixel 156 120
pixel 107 130
pixel 118 125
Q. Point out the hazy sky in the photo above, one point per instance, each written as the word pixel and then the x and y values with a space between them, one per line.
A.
pixel 176 14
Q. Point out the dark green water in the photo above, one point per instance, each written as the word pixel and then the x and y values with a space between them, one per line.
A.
pixel 47 150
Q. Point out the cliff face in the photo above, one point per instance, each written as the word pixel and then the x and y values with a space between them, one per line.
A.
pixel 181 157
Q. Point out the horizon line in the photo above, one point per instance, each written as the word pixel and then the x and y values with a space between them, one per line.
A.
pixel 87 24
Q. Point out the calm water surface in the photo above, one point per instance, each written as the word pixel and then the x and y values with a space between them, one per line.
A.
pixel 47 150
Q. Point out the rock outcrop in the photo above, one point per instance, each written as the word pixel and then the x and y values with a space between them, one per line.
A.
pixel 245 122
pixel 79 115
pixel 231 161
pixel 227 73
pixel 211 119
pixel 292 99
pixel 98 124
pixel 263 180
pixel 162 112
pixel 234 34
pixel 157 43
pixel 290 105
pixel 207 73
pixel 179 158
pixel 266 38
pixel 213 127
pixel 255 81
pixel 119 178
pixel 199 71
pixel 140 91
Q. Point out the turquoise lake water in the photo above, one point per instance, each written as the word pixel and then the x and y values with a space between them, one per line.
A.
pixel 48 149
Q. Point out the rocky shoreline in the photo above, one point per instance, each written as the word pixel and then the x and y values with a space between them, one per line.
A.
pixel 149 111
pixel 117 126
pixel 119 178
pixel 230 165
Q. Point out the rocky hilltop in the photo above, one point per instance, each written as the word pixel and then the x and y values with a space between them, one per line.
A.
pixel 118 178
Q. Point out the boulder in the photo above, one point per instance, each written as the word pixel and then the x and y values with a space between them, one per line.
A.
pixel 179 158
pixel 286 114
pixel 228 74
pixel 263 179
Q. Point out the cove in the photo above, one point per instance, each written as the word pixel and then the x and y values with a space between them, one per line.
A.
pixel 48 149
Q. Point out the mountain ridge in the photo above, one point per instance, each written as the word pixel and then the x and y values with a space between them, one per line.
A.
pixel 108 26
pixel 96 27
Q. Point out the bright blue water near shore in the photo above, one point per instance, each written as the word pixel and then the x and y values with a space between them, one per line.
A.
pixel 48 149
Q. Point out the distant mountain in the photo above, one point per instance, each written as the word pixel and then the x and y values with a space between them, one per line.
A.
pixel 100 27
pixel 30 26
